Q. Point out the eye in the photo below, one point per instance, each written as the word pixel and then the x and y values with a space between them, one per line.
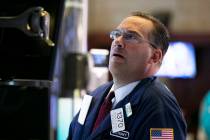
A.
pixel 115 34
pixel 130 36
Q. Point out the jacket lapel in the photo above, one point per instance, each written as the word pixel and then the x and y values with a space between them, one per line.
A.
pixel 105 124
pixel 95 106
pixel 138 91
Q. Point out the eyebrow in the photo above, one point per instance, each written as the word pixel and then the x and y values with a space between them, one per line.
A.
pixel 142 37
pixel 139 35
pixel 136 33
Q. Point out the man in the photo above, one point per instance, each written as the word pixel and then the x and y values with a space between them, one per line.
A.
pixel 143 108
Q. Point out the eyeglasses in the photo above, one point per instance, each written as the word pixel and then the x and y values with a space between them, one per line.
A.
pixel 129 36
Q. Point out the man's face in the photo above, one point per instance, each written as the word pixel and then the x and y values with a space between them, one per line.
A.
pixel 131 51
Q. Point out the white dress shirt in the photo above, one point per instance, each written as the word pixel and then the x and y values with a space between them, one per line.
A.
pixel 122 92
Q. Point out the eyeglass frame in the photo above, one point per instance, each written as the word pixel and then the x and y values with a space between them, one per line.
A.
pixel 125 34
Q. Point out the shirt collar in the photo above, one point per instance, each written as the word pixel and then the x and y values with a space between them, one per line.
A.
pixel 123 91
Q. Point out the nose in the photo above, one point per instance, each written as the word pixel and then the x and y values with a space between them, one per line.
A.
pixel 118 42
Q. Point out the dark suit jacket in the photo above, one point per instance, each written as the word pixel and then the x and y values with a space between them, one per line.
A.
pixel 153 106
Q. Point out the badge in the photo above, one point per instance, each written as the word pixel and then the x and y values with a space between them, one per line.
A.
pixel 120 134
pixel 128 109
pixel 84 108
pixel 117 119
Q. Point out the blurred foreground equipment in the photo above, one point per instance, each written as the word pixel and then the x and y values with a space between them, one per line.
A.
pixel 28 32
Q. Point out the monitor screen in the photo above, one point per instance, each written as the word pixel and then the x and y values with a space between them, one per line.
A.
pixel 100 57
pixel 179 61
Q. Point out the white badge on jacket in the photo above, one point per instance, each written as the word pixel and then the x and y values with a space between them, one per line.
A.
pixel 117 119
pixel 128 110
pixel 84 109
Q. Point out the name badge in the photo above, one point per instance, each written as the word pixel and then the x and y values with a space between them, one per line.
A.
pixel 117 120
pixel 128 109
pixel 84 109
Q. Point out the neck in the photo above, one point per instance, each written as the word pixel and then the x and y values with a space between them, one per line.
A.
pixel 119 83
pixel 120 79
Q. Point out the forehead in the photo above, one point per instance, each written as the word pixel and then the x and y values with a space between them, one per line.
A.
pixel 141 25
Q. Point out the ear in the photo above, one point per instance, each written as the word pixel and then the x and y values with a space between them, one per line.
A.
pixel 157 56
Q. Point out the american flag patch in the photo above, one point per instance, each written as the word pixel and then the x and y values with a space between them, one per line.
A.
pixel 161 134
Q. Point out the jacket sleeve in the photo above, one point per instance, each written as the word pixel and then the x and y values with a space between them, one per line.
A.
pixel 162 119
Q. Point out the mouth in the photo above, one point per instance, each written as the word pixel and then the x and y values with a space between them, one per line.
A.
pixel 117 55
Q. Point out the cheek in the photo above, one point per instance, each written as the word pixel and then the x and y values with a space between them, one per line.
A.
pixel 140 55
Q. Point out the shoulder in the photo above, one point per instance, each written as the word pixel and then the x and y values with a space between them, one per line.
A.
pixel 159 96
pixel 159 92
pixel 161 109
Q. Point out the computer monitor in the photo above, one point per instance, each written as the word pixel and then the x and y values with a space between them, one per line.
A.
pixel 179 61
pixel 100 57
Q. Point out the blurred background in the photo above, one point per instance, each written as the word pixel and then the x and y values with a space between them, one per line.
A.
pixel 52 53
